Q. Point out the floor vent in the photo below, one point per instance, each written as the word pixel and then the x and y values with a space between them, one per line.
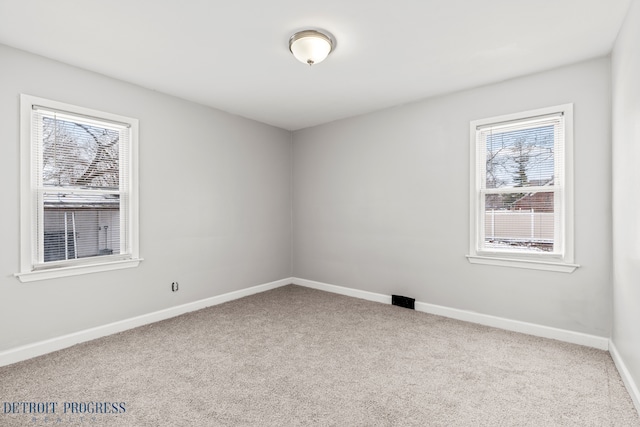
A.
pixel 405 302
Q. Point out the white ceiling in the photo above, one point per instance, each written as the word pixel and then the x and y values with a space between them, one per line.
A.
pixel 233 55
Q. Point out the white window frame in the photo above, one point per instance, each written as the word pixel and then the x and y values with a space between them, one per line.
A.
pixel 29 268
pixel 563 260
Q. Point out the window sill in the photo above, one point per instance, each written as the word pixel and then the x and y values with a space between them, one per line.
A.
pixel 561 267
pixel 75 270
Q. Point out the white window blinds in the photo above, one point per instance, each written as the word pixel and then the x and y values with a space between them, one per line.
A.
pixel 520 177
pixel 81 186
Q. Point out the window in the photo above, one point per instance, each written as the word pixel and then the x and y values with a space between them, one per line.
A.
pixel 79 190
pixel 522 190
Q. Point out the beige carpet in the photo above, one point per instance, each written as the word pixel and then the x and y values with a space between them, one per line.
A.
pixel 297 357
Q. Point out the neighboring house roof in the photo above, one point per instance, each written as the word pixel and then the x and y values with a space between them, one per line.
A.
pixel 78 202
pixel 539 202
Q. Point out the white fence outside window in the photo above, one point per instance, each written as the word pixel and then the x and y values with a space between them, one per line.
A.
pixel 519 226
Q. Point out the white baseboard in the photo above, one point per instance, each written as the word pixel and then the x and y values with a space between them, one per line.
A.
pixel 626 376
pixel 350 292
pixel 18 354
pixel 29 351
pixel 565 335
pixel 594 341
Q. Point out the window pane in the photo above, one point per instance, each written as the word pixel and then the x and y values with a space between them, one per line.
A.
pixel 79 155
pixel 519 221
pixel 521 157
pixel 80 226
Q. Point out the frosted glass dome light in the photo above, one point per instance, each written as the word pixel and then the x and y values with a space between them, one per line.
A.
pixel 310 46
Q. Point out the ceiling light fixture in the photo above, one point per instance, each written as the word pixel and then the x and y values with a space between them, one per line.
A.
pixel 310 46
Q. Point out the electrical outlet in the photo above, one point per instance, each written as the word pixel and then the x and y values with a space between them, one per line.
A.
pixel 174 286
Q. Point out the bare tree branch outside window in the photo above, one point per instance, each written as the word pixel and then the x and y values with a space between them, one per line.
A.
pixel 76 154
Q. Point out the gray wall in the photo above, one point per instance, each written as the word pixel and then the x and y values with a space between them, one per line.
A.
pixel 381 203
pixel 215 205
pixel 626 196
